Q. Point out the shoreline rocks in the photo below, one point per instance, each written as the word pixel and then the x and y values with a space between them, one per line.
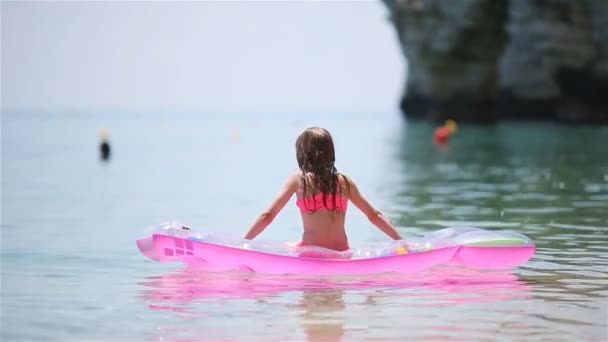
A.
pixel 489 60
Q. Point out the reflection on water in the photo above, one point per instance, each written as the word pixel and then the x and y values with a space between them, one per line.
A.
pixel 324 304
pixel 189 286
pixel 315 308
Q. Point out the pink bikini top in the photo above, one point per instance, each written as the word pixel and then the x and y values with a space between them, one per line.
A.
pixel 316 202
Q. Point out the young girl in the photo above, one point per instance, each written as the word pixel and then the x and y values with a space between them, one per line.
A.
pixel 322 196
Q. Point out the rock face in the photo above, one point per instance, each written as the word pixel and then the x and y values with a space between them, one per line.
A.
pixel 485 60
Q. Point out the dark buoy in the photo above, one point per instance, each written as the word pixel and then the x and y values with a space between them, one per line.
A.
pixel 104 146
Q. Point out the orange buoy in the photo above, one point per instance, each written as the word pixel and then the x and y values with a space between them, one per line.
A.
pixel 451 125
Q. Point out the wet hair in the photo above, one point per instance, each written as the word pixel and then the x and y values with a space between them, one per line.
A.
pixel 316 159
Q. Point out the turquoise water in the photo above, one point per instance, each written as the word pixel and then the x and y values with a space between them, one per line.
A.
pixel 71 270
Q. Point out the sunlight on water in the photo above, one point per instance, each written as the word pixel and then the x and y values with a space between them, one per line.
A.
pixel 71 270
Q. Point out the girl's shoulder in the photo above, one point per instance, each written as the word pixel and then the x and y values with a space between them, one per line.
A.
pixel 345 183
pixel 343 178
pixel 295 177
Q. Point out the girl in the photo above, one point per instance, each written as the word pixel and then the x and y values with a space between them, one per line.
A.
pixel 322 195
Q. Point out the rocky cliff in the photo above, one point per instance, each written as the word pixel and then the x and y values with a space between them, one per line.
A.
pixel 485 60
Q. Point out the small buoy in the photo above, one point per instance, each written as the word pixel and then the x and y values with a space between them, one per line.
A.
pixel 441 135
pixel 103 134
pixel 451 125
pixel 104 146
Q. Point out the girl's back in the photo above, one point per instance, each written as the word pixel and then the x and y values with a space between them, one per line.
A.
pixel 323 218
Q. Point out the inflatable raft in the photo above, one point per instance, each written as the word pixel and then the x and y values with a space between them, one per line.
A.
pixel 471 247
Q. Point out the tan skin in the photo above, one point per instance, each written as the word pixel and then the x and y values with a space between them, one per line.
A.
pixel 323 228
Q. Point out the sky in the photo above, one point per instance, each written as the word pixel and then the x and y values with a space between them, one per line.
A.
pixel 200 55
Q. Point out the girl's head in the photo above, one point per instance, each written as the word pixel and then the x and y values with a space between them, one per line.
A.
pixel 316 159
pixel 315 151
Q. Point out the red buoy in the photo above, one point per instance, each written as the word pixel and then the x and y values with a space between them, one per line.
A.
pixel 442 134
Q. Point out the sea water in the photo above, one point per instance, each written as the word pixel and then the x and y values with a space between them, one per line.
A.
pixel 71 270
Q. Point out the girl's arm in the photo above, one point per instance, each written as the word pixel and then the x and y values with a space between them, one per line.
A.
pixel 290 187
pixel 373 215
